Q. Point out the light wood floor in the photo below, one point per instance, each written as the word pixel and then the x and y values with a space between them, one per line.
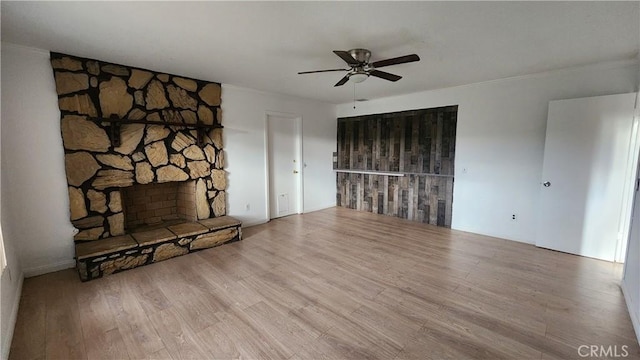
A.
pixel 334 284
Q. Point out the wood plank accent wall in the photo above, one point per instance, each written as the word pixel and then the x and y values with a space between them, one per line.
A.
pixel 416 147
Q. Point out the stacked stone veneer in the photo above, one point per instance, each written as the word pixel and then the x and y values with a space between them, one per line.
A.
pixel 90 90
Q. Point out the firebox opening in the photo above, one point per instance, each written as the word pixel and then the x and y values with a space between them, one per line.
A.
pixel 151 205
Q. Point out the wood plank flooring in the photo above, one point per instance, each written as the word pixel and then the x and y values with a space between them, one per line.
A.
pixel 334 284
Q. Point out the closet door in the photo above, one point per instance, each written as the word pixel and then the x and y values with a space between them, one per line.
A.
pixel 584 172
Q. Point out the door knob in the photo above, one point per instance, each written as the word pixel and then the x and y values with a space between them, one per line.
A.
pixel 295 171
pixel 546 184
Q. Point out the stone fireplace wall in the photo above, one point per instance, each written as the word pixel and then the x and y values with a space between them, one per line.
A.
pixel 91 91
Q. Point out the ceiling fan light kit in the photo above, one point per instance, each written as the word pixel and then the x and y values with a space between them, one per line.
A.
pixel 362 68
pixel 358 77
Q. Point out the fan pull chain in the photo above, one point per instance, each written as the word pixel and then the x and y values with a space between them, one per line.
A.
pixel 354 96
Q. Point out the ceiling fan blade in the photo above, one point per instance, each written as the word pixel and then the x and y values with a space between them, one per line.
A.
pixel 385 75
pixel 319 71
pixel 396 61
pixel 346 57
pixel 342 81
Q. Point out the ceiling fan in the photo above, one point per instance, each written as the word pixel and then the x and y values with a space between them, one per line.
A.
pixel 361 68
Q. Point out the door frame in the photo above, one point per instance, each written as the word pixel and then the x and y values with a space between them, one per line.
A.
pixel 633 165
pixel 297 118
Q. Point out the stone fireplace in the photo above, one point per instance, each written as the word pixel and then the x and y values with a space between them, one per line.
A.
pixel 144 164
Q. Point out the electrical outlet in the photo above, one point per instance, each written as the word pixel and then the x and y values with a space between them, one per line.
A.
pixel 514 217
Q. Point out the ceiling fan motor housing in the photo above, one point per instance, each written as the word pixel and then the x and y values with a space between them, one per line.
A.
pixel 360 55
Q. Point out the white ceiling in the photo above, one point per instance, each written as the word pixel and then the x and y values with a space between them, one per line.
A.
pixel 262 45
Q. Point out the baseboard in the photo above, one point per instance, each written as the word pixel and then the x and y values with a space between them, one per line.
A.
pixel 497 236
pixel 246 224
pixel 48 268
pixel 635 320
pixel 13 317
pixel 254 223
pixel 318 208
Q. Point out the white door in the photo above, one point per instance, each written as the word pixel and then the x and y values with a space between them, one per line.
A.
pixel 283 139
pixel 585 165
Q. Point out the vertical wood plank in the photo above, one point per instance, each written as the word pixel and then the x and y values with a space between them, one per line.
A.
pixel 359 186
pixel 354 190
pixel 409 202
pixel 414 200
pixel 349 144
pixel 374 194
pixel 449 203
pixel 396 201
pixel 347 191
pixel 452 143
pixel 399 129
pixel 339 189
pixel 438 155
pixel 402 150
pixel 376 145
pixel 433 200
pixel 414 144
pixel 440 215
pixel 421 143
pixel 385 195
pixel 391 146
pixel 342 151
pixel 360 145
pixel 445 160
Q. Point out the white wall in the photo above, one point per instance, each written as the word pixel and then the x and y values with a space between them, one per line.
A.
pixel 244 112
pixel 34 190
pixel 500 140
